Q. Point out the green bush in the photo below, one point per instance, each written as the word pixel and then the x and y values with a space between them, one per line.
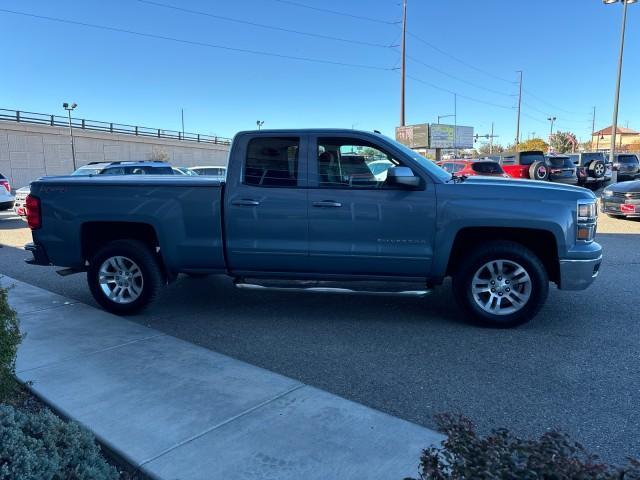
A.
pixel 10 338
pixel 40 446
pixel 501 455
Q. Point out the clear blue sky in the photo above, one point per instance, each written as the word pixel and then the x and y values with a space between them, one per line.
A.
pixel 567 50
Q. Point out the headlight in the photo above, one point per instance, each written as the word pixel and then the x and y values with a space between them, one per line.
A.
pixel 607 193
pixel 587 214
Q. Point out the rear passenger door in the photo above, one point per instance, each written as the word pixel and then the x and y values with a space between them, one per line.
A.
pixel 265 213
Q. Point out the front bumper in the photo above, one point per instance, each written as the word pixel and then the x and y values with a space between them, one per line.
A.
pixel 579 274
pixel 39 255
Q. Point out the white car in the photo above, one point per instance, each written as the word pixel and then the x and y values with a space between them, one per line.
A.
pixel 210 171
pixel 6 198
pixel 21 199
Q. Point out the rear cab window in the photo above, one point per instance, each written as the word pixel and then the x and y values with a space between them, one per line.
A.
pixel 529 158
pixel 272 162
pixel 487 168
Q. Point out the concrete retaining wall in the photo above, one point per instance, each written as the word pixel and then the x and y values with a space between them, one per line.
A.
pixel 30 151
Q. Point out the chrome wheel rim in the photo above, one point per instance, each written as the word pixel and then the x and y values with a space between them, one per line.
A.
pixel 599 169
pixel 501 287
pixel 121 279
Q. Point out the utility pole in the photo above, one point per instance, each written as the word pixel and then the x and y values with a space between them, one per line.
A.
pixel 593 127
pixel 614 126
pixel 404 61
pixel 491 140
pixel 182 113
pixel 455 124
pixel 519 110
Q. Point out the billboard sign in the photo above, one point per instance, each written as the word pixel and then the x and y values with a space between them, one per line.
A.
pixel 413 136
pixel 450 136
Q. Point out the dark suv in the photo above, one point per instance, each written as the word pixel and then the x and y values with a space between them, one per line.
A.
pixel 595 168
pixel 125 168
pixel 562 169
pixel 627 165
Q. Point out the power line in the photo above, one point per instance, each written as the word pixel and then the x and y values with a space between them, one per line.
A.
pixel 260 25
pixel 433 85
pixel 335 12
pixel 552 105
pixel 194 42
pixel 459 60
pixel 443 72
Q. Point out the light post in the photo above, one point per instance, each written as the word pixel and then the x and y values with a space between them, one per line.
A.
pixel 444 116
pixel 614 126
pixel 259 123
pixel 551 119
pixel 69 109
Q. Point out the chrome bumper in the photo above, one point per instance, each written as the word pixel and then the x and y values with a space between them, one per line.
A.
pixel 578 274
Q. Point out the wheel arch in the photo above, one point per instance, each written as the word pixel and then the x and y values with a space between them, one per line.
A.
pixel 541 242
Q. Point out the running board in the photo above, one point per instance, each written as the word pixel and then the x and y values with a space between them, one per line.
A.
pixel 324 289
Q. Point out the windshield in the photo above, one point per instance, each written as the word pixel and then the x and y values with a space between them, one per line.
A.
pixel 87 171
pixel 428 165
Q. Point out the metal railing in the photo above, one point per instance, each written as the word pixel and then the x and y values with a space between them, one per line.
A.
pixel 109 127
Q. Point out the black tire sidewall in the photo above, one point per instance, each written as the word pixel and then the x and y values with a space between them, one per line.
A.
pixel 509 251
pixel 143 257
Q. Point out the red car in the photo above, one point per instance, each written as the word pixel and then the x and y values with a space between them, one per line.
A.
pixel 469 168
pixel 529 165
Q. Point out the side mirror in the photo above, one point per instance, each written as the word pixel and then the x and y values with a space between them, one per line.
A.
pixel 402 176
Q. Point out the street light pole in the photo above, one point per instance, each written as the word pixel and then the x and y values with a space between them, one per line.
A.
pixel 614 126
pixel 551 119
pixel 404 61
pixel 519 110
pixel 69 108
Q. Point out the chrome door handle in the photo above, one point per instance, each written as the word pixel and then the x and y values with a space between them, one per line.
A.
pixel 246 202
pixel 327 204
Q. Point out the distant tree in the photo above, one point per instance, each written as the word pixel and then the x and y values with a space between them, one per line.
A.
pixel 486 148
pixel 586 146
pixel 159 154
pixel 533 144
pixel 563 142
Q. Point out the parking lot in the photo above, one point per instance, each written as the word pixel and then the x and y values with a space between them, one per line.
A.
pixel 575 367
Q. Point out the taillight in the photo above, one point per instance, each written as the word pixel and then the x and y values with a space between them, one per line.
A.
pixel 6 185
pixel 34 215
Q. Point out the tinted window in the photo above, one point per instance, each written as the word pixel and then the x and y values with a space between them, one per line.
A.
pixel 508 160
pixel 272 162
pixel 530 158
pixel 589 157
pixel 487 168
pixel 345 163
pixel 628 159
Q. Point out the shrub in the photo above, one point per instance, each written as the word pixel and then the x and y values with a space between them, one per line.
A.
pixel 501 455
pixel 10 338
pixel 38 446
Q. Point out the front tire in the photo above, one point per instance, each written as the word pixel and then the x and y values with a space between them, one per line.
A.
pixel 501 284
pixel 124 276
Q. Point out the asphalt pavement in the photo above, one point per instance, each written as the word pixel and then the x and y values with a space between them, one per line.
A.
pixel 576 367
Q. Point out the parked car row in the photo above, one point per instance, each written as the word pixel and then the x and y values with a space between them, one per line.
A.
pixel 18 202
pixel 587 169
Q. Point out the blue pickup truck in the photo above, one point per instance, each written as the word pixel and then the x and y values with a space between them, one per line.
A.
pixel 302 209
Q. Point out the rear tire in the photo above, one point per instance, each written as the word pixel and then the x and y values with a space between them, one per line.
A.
pixel 519 290
pixel 125 276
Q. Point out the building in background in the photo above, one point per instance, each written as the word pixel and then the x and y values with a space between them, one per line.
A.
pixel 627 140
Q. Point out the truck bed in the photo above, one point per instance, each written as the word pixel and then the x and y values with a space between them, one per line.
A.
pixel 183 212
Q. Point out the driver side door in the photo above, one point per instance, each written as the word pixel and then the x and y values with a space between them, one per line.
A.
pixel 358 224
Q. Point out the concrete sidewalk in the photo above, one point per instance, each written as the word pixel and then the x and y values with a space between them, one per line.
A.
pixel 176 410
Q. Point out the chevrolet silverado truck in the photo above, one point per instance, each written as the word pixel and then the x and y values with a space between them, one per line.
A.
pixel 302 210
